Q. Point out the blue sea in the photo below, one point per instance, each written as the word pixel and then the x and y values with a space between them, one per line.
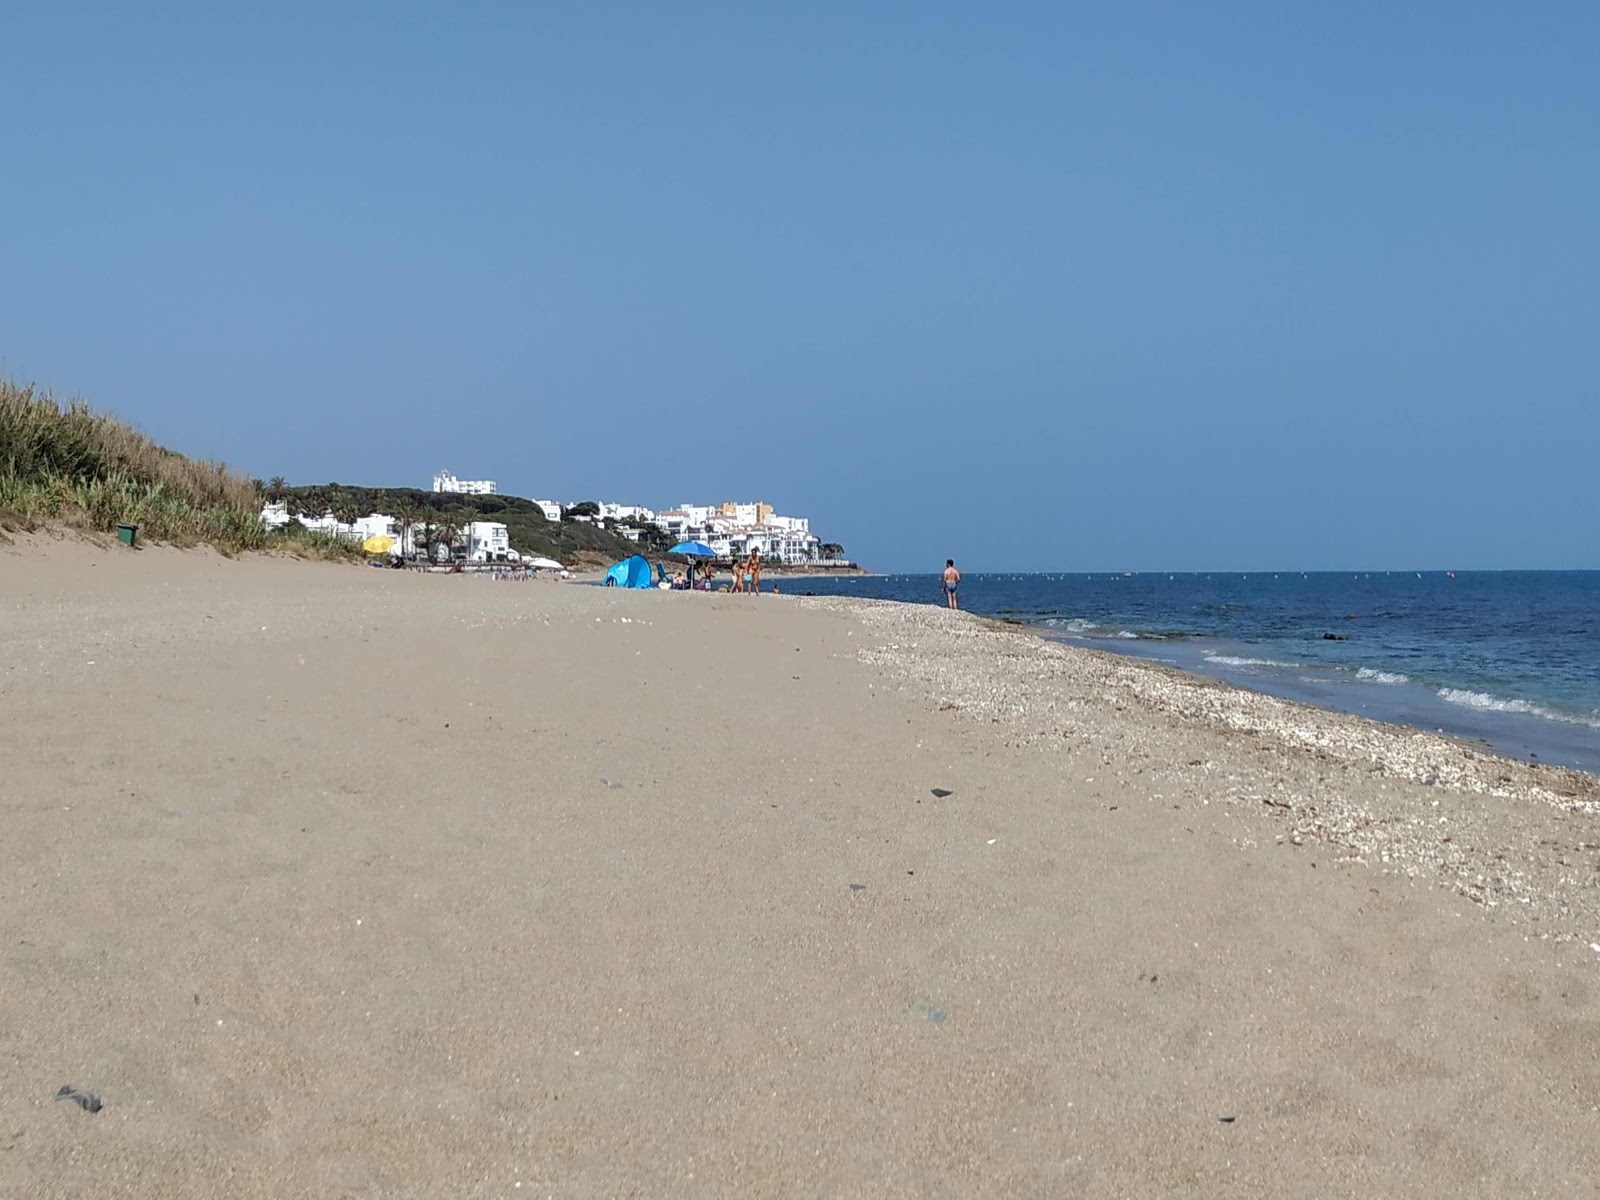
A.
pixel 1510 658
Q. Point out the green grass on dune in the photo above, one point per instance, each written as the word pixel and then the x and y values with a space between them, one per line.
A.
pixel 67 466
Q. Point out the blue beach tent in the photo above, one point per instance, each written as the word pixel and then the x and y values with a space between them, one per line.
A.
pixel 630 573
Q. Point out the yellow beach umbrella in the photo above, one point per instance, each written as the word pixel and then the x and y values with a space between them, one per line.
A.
pixel 378 543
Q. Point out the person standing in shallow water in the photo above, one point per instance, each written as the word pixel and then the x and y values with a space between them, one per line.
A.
pixel 951 578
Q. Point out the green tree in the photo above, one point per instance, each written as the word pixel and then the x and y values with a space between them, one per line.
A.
pixel 275 489
pixel 448 531
pixel 405 516
pixel 346 511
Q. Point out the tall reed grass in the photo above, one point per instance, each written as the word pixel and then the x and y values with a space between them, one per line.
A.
pixel 68 465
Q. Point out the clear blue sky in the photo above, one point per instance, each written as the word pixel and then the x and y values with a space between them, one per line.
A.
pixel 1029 285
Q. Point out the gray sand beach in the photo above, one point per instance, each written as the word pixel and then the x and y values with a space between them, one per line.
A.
pixel 342 882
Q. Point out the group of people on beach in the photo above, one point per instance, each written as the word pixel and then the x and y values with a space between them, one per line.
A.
pixel 746 577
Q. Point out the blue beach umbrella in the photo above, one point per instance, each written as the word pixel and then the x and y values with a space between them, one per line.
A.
pixel 694 550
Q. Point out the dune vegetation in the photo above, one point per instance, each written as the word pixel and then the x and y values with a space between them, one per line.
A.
pixel 67 466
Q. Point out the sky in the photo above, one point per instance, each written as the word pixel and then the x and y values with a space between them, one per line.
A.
pixel 1031 286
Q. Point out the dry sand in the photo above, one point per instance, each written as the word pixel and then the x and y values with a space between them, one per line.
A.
pixel 334 882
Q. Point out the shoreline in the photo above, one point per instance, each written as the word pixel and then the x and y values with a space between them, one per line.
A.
pixel 1384 697
pixel 330 881
pixel 1049 694
pixel 1434 692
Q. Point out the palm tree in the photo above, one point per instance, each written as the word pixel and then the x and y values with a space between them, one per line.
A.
pixel 447 532
pixel 405 516
pixel 275 488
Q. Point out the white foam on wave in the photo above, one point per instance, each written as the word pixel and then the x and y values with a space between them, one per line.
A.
pixel 1234 660
pixel 1123 633
pixel 1070 624
pixel 1484 702
pixel 1373 675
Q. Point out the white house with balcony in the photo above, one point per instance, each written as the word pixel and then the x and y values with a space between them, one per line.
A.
pixel 444 481
pixel 786 546
pixel 487 541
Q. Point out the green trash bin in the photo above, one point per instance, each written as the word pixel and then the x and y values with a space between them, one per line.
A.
pixel 126 534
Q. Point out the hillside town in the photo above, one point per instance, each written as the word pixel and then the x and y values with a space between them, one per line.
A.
pixel 729 530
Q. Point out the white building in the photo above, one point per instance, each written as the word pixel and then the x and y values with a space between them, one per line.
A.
pixel 673 522
pixel 407 540
pixel 550 509
pixel 487 541
pixel 446 482
pixel 734 530
pixel 276 516
pixel 786 546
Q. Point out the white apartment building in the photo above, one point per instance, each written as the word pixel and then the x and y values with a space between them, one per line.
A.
pixel 733 530
pixel 625 512
pixel 790 548
pixel 446 482
pixel 674 522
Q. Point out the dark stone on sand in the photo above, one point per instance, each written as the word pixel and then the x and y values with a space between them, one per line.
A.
pixel 85 1100
pixel 942 793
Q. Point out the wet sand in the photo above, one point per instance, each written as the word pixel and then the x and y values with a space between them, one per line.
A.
pixel 332 881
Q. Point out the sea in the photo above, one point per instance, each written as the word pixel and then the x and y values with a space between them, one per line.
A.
pixel 1507 658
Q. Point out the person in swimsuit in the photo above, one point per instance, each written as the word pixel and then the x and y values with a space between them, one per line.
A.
pixel 754 568
pixel 951 578
pixel 738 575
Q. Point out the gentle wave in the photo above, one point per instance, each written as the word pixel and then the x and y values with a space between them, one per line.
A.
pixel 1071 624
pixel 1373 675
pixel 1234 660
pixel 1085 628
pixel 1484 702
